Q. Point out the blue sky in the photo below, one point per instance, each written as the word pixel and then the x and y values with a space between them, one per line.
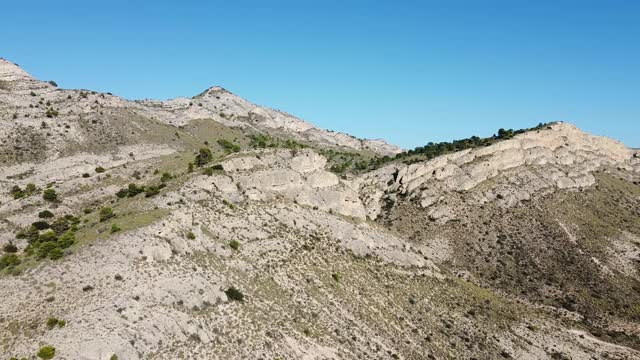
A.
pixel 407 71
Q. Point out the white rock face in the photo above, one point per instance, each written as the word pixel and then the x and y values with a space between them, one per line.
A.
pixel 569 157
pixel 299 177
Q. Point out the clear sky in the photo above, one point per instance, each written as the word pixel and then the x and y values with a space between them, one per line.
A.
pixel 407 71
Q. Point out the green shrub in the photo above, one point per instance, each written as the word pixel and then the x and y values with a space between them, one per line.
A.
pixel 44 249
pixel 17 192
pixel 45 214
pixel 217 167
pixel 122 193
pixel 31 188
pixel 52 322
pixel 53 83
pixel 41 225
pixel 207 171
pixel 86 175
pixel 31 234
pixel 153 190
pixel 115 228
pixel 100 169
pixel 165 177
pixel 9 260
pixel 113 357
pixel 134 190
pixel 47 236
pixel 10 248
pixel 46 352
pixel 51 112
pixel 50 195
pixel 67 239
pixel 191 235
pixel 234 244
pixel 228 145
pixel 230 205
pixel 106 213
pixel 234 294
pixel 204 157
pixel 337 277
pixel 56 253
pixel 87 210
pixel 60 225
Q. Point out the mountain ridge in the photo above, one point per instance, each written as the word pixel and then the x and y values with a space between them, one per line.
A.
pixel 170 230
pixel 247 114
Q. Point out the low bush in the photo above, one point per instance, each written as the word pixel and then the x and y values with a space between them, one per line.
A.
pixel 45 214
pixel 207 171
pixel 50 195
pixel 10 248
pixel 51 112
pixel 337 277
pixel 234 294
pixel 134 190
pixel 100 169
pixel 56 253
pixel 53 322
pixel 9 260
pixel 17 192
pixel 203 158
pixel 165 177
pixel 44 250
pixel 153 190
pixel 46 352
pixel 61 225
pixel 66 240
pixel 234 244
pixel 41 225
pixel 228 145
pixel 106 213
pixel 47 236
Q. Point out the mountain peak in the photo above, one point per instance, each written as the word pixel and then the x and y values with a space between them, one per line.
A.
pixel 10 71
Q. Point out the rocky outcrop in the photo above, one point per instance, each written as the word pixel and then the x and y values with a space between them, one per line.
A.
pixel 560 156
pixel 298 176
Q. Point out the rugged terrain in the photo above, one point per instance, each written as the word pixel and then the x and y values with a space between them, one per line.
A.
pixel 210 227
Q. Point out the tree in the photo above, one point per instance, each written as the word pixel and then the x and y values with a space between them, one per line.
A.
pixel 204 157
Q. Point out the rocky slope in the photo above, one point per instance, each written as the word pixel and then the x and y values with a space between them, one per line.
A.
pixel 526 249
pixel 86 119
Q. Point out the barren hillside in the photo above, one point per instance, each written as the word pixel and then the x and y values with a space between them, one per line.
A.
pixel 213 228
